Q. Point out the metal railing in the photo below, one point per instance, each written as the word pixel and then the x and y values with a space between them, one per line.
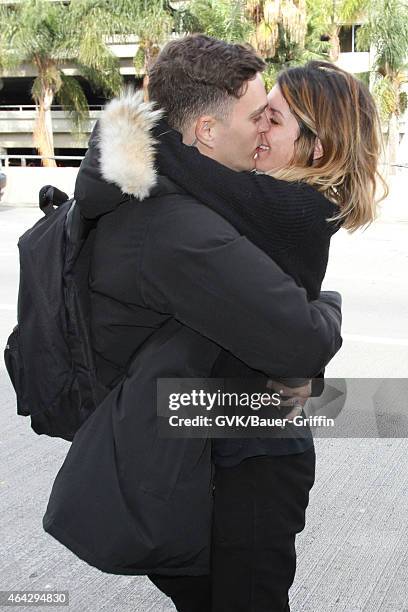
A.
pixel 4 159
pixel 54 107
pixel 23 158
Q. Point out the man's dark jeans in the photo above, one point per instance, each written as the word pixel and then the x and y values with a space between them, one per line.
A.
pixel 259 508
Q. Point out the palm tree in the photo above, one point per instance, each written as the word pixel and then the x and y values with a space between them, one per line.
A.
pixel 327 16
pixel 276 29
pixel 285 35
pixel 152 22
pixel 275 18
pixel 225 19
pixel 50 34
pixel 387 32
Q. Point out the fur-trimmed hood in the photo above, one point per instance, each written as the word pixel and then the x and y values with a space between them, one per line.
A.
pixel 126 143
pixel 120 161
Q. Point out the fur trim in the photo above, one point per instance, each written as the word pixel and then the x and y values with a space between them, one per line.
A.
pixel 126 144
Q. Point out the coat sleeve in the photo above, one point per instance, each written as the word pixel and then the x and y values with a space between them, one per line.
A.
pixel 198 268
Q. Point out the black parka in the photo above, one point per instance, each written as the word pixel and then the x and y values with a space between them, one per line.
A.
pixel 172 283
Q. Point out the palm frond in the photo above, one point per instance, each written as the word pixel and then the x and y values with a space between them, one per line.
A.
pixel 109 83
pixel 225 19
pixel 350 11
pixel 72 98
pixel 37 27
pixel 48 79
pixel 387 31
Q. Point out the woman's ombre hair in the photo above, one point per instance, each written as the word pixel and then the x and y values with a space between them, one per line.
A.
pixel 336 107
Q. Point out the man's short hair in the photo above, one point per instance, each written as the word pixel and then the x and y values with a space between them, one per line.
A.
pixel 199 75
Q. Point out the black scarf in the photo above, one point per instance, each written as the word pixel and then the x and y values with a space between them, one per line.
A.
pixel 288 221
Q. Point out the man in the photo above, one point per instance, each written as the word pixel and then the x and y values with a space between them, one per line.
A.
pixel 183 82
pixel 171 260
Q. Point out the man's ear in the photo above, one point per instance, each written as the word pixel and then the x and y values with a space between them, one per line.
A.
pixel 318 149
pixel 204 131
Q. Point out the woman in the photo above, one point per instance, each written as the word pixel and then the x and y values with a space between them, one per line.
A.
pixel 325 138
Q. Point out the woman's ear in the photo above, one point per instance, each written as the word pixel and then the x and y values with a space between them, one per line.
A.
pixel 318 149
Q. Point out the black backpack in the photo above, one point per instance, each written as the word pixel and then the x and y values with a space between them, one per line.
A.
pixel 48 355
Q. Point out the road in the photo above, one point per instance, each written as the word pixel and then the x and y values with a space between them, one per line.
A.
pixel 353 553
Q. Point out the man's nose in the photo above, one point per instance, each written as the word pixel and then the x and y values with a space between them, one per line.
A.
pixel 264 123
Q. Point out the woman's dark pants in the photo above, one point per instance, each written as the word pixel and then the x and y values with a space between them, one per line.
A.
pixel 259 507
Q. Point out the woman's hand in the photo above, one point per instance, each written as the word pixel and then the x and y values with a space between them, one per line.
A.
pixel 292 397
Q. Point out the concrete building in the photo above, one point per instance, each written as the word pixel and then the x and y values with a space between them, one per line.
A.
pixel 17 112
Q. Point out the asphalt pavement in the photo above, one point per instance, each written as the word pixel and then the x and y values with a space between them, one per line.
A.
pixel 353 553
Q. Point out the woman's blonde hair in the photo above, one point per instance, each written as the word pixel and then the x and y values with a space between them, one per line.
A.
pixel 336 107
